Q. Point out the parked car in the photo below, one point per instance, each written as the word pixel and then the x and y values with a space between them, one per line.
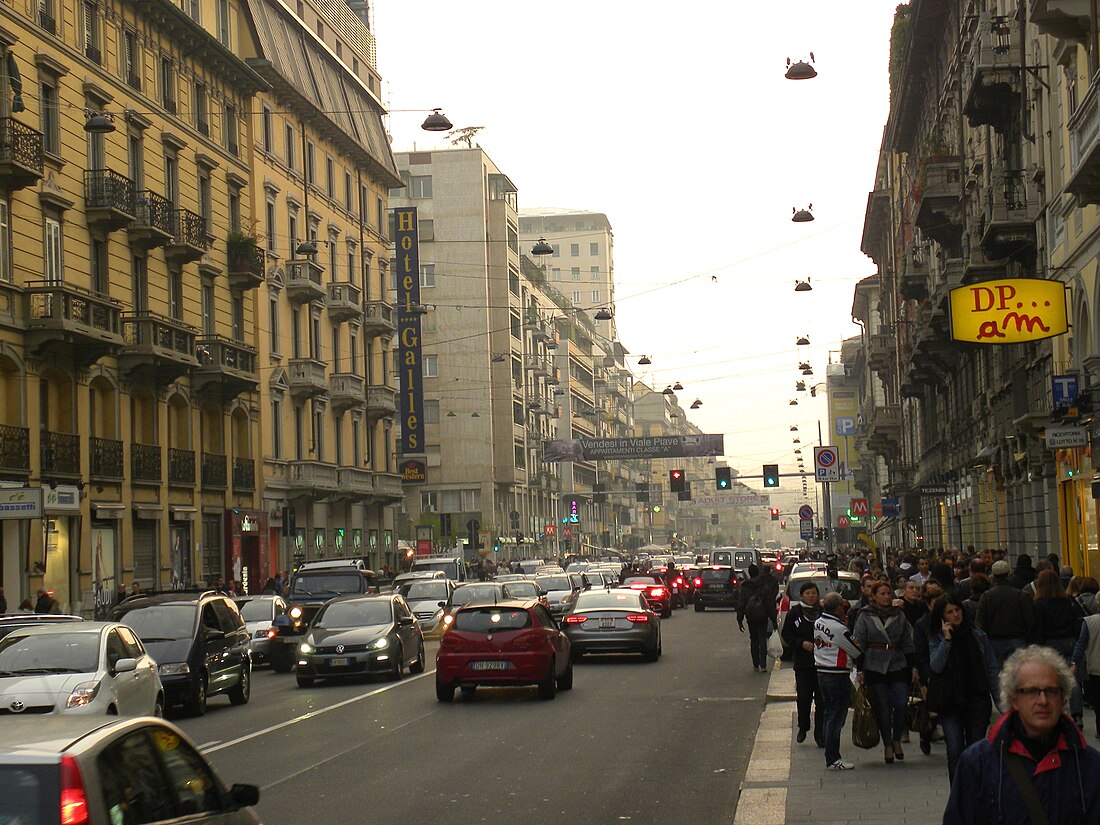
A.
pixel 613 621
pixel 105 771
pixel 512 643
pixel 19 621
pixel 200 643
pixel 357 635
pixel 96 668
pixel 261 615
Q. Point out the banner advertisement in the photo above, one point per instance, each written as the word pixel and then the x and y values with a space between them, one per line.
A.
pixel 595 449
pixel 1009 311
pixel 104 582
pixel 746 500
pixel 410 358
pixel 179 540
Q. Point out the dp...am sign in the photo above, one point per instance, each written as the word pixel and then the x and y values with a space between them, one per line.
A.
pixel 1009 311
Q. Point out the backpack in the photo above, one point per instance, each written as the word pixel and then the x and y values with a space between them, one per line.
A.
pixel 754 609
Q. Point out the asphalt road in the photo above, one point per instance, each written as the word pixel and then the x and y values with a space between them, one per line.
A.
pixel 632 742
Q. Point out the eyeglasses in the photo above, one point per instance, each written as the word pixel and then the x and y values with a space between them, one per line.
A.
pixel 1033 693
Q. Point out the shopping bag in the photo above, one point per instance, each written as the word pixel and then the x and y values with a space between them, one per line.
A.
pixel 775 645
pixel 864 724
pixel 917 710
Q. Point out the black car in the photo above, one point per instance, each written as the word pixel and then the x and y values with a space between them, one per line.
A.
pixel 309 590
pixel 715 586
pixel 199 641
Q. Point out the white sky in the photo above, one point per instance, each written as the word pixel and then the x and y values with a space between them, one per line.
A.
pixel 676 121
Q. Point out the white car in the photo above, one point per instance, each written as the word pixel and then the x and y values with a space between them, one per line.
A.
pixel 79 667
pixel 261 614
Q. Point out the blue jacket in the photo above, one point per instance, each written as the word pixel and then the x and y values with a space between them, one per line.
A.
pixel 940 655
pixel 1067 781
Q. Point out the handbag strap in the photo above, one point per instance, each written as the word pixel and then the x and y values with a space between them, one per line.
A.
pixel 1017 767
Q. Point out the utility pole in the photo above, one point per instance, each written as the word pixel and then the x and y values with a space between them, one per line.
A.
pixel 830 536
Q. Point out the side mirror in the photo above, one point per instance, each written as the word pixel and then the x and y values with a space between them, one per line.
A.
pixel 244 796
pixel 442 604
pixel 124 666
pixel 214 635
pixel 405 621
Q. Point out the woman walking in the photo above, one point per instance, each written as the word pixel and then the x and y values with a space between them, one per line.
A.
pixel 963 684
pixel 887 666
pixel 1057 625
pixel 798 633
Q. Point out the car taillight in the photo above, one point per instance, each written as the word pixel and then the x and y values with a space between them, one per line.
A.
pixel 784 604
pixel 637 586
pixel 679 580
pixel 637 618
pixel 74 804
pixel 657 592
pixel 576 619
pixel 272 633
pixel 451 640
pixel 524 641
pixel 698 582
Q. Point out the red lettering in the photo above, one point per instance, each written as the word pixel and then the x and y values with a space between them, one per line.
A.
pixel 980 292
pixel 1007 293
pixel 989 329
pixel 1022 320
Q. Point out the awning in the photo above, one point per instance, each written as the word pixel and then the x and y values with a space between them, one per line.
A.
pixel 148 511
pixel 883 524
pixel 183 513
pixel 108 512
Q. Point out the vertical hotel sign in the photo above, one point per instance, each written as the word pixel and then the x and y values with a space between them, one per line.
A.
pixel 406 242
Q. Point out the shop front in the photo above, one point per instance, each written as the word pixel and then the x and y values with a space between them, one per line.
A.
pixel 57 564
pixel 106 563
pixel 20 512
pixel 1078 510
pixel 249 558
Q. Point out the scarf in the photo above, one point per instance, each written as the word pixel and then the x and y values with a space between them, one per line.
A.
pixel 965 666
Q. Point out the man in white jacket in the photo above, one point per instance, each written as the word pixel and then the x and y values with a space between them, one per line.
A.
pixel 834 653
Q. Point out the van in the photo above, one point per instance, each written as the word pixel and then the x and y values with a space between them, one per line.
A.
pixel 452 568
pixel 739 558
pixel 529 566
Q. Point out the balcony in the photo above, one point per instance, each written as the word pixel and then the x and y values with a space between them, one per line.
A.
pixel 538 365
pixel 15 451
pixel 20 154
pixel 214 475
pixel 306 377
pixel 1012 206
pixel 381 402
pixel 189 237
pixel 145 463
pixel 884 429
pixel 157 350
pixel 108 199
pixel 303 281
pixel 378 319
pixel 913 283
pixel 226 368
pixel 106 458
pixel 1064 19
pixel 247 261
pixel 991 84
pixel 60 455
pixel 346 391
pixel 387 486
pixel 937 200
pixel 356 483
pixel 84 323
pixel 312 478
pixel 882 351
pixel 181 467
pixel 1084 148
pixel 244 475
pixel 344 302
pixel 152 226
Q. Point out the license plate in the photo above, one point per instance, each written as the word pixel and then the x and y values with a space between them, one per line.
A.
pixel 489 666
pixel 606 623
pixel 339 662
pixel 716 587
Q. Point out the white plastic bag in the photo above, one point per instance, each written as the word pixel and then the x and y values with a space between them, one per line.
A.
pixel 775 645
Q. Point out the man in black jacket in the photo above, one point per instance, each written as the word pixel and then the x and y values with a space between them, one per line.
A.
pixel 798 633
pixel 756 603
pixel 1005 614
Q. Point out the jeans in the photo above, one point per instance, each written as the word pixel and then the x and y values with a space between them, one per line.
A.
pixel 890 700
pixel 963 726
pixel 809 693
pixel 758 643
pixel 836 696
pixel 1003 648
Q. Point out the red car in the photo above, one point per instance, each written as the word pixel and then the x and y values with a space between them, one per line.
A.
pixel 516 642
pixel 657 593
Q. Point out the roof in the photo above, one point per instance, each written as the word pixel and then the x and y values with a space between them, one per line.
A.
pixel 41 737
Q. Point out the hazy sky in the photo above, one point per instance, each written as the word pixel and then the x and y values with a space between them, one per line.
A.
pixel 676 121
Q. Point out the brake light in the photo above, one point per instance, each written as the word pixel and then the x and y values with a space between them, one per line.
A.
pixel 576 619
pixel 637 618
pixel 657 592
pixel 637 586
pixel 784 604
pixel 779 565
pixel 679 580
pixel 74 803
pixel 272 633
pixel 698 582
pixel 452 640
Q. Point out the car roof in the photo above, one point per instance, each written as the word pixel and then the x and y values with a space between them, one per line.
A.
pixel 822 573
pixel 44 618
pixel 65 627
pixel 45 737
pixel 143 600
pixel 525 604
pixel 366 597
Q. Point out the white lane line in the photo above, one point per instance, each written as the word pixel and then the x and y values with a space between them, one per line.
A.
pixel 209 744
pixel 314 714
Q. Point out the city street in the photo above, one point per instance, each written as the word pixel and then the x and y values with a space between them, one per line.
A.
pixel 633 742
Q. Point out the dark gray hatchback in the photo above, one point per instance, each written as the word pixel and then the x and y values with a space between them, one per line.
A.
pixel 715 586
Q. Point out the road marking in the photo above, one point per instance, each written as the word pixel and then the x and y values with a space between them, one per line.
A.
pixel 727 699
pixel 313 714
pixel 209 744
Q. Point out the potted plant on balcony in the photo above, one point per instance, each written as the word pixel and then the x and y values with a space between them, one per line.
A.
pixel 241 249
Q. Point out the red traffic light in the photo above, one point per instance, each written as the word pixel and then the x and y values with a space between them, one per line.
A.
pixel 676 475
pixel 677 483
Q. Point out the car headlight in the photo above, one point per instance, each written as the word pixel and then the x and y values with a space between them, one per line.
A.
pixel 304 648
pixel 174 669
pixel 381 644
pixel 295 612
pixel 82 695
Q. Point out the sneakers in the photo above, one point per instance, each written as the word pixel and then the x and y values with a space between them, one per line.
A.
pixel 840 765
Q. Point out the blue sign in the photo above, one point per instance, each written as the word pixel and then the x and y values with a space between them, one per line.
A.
pixel 1064 389
pixel 891 507
pixel 806 528
pixel 845 425
pixel 806 512
pixel 411 367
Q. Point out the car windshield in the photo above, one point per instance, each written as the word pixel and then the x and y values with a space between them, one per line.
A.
pixel 419 591
pixel 848 588
pixel 314 584
pixel 551 583
pixel 256 610
pixel 521 590
pixel 492 620
pixel 160 622
pixel 354 614
pixel 609 599
pixel 49 653
pixel 475 593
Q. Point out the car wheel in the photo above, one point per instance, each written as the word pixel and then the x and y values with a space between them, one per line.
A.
pixel 548 687
pixel 158 707
pixel 444 692
pixel 650 654
pixel 305 681
pixel 281 660
pixel 398 672
pixel 565 681
pixel 197 704
pixel 243 689
pixel 700 607
pixel 418 665
pixel 667 613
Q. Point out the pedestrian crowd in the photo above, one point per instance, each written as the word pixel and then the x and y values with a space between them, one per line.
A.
pixel 943 640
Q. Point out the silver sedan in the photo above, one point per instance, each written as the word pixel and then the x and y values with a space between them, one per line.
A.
pixel 613 621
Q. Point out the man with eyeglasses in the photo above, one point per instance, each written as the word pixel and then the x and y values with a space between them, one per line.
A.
pixel 1035 766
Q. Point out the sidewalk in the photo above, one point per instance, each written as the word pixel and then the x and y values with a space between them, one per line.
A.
pixel 787 784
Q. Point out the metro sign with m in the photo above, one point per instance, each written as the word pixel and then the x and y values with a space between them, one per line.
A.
pixel 860 507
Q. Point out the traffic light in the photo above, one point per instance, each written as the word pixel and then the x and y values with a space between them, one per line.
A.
pixel 775 513
pixel 722 478
pixel 641 492
pixel 599 493
pixel 685 494
pixel 783 525
pixel 713 518
pixel 771 475
pixel 677 482
pixel 656 508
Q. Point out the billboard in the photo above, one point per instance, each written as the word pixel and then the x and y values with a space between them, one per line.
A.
pixel 410 357
pixel 1009 311
pixel 597 449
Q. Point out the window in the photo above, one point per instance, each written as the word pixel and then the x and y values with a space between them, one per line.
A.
pixel 229 128
pixel 520 455
pixel 198 103
pixel 382 222
pixel 130 59
pixel 5 242
pixel 276 428
pixel 223 23
pixel 431 412
pixel 575 273
pixel 204 201
pixel 338 442
pixel 299 433
pixel 557 250
pixel 426 230
pixel 288 138
pixel 431 366
pixel 356 441
pixel 593 249
pixel 49 116
pixel 139 284
pixel 237 304
pixel 194 9
pixel 234 209
pixel 135 151
pixel 47 15
pixel 269 211
pixel 335 363
pixel 296 331
pixel 208 326
pixel 514 325
pixel 268 130
pixel 316 348
pixel 292 228
pixel 98 260
pixel 318 433
pixel 574 250
pixel 54 266
pixel 333 261
pixel 95 142
pixel 595 273
pixel 90 21
pixel 311 163
pixel 348 191
pixel 353 349
pixel 330 177
pixel 427 274
pixel 132 781
pixel 175 294
pixel 595 296
pixel 167 84
pixel 195 789
pixel 273 319
pixel 420 186
pixel 172 178
pixel 575 297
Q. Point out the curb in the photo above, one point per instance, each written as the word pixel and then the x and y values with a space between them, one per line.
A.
pixel 781 685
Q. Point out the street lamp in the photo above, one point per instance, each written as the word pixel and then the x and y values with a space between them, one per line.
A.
pixel 802 215
pixel 436 122
pixel 800 70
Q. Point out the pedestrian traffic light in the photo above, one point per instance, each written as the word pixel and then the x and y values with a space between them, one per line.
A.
pixel 775 513
pixel 771 475
pixel 723 478
pixel 783 525
pixel 677 482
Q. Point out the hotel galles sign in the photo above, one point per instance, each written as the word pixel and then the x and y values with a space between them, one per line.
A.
pixel 1008 312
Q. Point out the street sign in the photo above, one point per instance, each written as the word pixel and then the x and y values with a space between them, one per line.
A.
pixel 806 528
pixel 1064 390
pixel 567 532
pixel 842 522
pixel 1064 438
pixel 860 507
pixel 551 529
pixel 806 512
pixel 826 464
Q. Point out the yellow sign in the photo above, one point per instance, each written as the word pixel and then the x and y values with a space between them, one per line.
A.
pixel 1009 311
